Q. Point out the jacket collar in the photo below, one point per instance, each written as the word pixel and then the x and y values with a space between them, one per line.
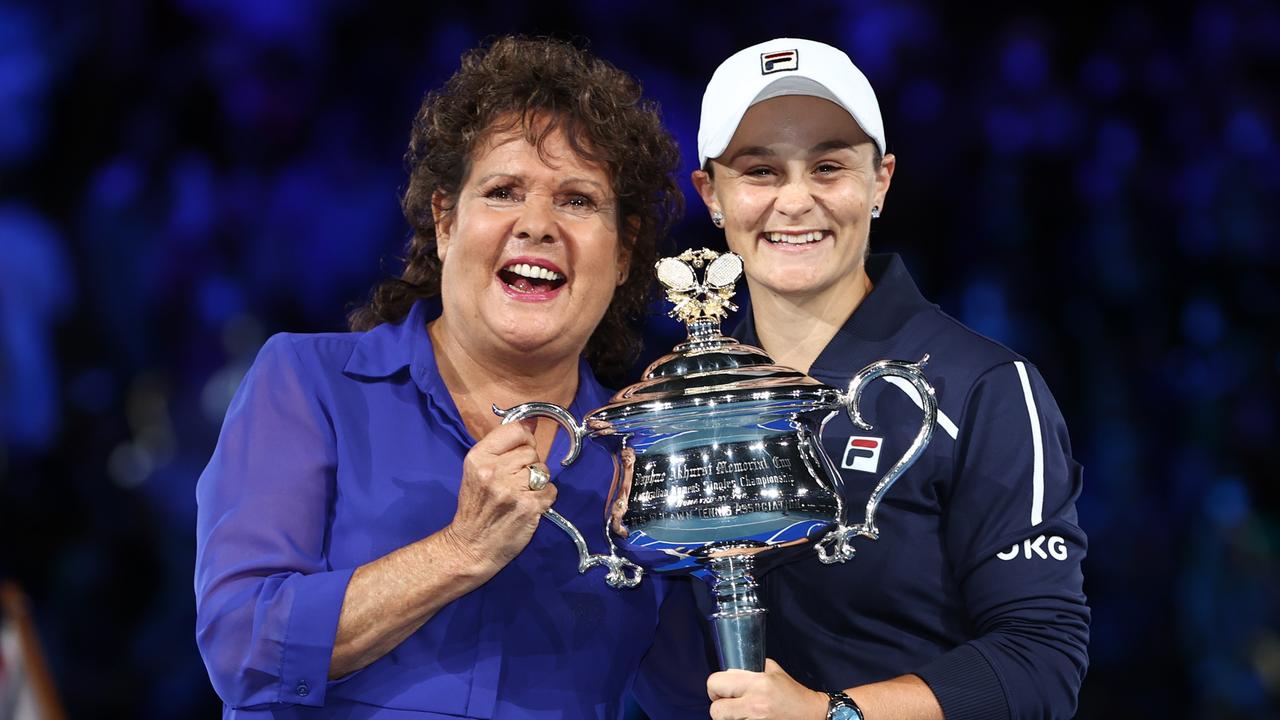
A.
pixel 892 300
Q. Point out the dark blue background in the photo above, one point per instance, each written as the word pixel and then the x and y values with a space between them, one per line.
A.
pixel 1097 187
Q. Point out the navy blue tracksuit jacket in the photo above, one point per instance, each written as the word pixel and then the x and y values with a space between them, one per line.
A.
pixel 975 583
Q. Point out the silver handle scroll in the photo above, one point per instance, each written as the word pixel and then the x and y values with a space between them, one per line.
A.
pixel 836 546
pixel 622 572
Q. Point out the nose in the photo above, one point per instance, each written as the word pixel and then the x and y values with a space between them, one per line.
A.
pixel 537 220
pixel 794 198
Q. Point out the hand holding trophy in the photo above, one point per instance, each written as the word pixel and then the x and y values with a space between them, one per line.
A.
pixel 718 466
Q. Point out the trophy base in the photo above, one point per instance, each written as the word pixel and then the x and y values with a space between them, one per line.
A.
pixel 738 621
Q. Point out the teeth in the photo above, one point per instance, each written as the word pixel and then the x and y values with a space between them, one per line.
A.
pixel 793 238
pixel 534 272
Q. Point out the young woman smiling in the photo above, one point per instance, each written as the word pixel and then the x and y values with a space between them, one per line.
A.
pixel 970 604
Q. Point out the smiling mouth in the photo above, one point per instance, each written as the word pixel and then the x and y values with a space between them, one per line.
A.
pixel 792 238
pixel 528 278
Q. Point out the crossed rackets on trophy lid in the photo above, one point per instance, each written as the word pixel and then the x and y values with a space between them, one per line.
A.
pixel 706 300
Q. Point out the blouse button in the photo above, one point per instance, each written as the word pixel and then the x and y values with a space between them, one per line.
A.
pixel 303 689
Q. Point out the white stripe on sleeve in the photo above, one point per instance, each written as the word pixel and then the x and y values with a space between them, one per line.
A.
pixel 905 386
pixel 1037 448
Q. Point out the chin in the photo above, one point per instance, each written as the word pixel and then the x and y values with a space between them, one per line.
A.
pixel 536 340
pixel 789 284
pixel 553 327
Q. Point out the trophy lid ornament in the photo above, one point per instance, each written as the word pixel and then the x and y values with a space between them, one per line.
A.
pixel 698 302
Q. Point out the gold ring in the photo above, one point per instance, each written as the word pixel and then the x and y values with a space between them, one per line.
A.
pixel 538 478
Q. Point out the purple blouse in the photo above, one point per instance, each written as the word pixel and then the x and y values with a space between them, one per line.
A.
pixel 340 448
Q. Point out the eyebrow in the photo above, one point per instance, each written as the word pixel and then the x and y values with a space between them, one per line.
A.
pixel 830 145
pixel 587 181
pixel 753 151
pixel 485 180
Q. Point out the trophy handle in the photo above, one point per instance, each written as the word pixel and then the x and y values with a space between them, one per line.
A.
pixel 622 572
pixel 836 546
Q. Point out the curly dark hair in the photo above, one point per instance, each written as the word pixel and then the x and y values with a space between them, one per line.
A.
pixel 541 85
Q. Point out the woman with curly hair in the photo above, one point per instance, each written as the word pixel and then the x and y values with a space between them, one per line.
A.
pixel 369 542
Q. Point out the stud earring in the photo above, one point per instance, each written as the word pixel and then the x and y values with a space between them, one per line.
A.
pixel 717 219
pixel 875 211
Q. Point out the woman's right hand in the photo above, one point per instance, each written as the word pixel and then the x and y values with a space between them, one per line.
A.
pixel 388 599
pixel 497 512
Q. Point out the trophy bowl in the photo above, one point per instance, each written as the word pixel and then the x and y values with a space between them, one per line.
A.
pixel 719 470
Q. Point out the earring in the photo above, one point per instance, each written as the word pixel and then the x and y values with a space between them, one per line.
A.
pixel 717 219
pixel 875 211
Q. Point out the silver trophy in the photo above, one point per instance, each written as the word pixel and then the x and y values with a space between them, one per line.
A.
pixel 719 469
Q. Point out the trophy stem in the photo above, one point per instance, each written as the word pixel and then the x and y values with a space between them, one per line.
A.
pixel 704 330
pixel 739 619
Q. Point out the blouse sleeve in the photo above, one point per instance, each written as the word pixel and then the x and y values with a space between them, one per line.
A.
pixel 671 681
pixel 267 601
pixel 1015 545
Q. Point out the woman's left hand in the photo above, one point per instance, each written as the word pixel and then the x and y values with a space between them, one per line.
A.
pixel 768 695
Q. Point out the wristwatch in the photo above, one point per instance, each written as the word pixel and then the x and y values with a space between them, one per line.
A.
pixel 842 707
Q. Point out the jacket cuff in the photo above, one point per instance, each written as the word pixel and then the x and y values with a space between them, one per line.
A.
pixel 313 628
pixel 966 685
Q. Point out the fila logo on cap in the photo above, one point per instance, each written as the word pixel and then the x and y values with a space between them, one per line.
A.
pixel 772 62
pixel 862 454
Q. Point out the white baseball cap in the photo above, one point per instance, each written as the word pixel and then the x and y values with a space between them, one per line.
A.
pixel 785 66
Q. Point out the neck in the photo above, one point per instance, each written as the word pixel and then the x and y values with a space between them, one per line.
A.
pixel 795 329
pixel 478 380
